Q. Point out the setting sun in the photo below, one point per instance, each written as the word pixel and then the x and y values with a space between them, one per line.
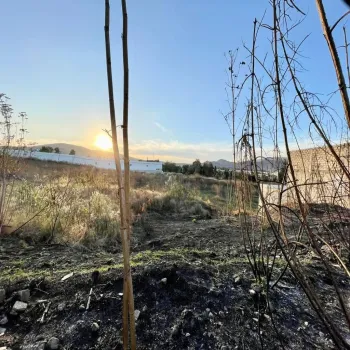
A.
pixel 103 142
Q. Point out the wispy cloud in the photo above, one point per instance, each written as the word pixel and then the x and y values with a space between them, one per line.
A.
pixel 180 151
pixel 160 126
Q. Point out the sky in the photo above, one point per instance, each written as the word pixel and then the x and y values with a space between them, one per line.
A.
pixel 53 67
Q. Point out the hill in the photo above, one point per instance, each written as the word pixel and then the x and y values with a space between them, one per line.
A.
pixel 81 151
pixel 265 164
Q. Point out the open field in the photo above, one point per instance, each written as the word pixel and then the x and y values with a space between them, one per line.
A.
pixel 193 285
pixel 79 204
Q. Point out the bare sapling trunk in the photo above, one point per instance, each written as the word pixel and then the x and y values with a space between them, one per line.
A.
pixel 125 229
pixel 127 165
pixel 327 31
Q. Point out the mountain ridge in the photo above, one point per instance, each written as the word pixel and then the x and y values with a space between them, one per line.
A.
pixel 263 164
pixel 81 151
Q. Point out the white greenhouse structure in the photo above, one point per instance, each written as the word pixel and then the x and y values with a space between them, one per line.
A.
pixel 147 166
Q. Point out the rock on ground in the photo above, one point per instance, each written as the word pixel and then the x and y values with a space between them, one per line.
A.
pixel 19 306
pixel 53 343
pixel 24 295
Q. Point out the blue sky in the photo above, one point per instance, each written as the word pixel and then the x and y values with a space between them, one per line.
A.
pixel 53 67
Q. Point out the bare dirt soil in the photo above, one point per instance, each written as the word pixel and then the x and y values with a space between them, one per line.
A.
pixel 193 290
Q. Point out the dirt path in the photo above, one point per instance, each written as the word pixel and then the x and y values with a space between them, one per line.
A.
pixel 192 287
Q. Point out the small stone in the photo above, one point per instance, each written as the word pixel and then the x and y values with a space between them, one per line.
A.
pixel 53 343
pixel 40 337
pixel 164 280
pixel 69 275
pixel 2 331
pixel 19 306
pixel 188 334
pixel 95 327
pixel 3 320
pixel 268 318
pixel 137 314
pixel 120 294
pixel 238 279
pixel 81 307
pixel 252 292
pixel 211 315
pixel 61 306
pixel 24 295
pixel 255 319
pixel 2 295
pixel 144 309
pixel 175 331
pixel 306 323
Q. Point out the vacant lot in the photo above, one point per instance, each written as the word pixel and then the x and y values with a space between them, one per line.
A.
pixel 192 280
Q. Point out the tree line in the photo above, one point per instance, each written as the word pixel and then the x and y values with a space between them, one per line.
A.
pixel 205 169
pixel 209 170
pixel 49 149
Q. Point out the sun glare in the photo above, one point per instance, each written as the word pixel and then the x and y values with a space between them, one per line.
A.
pixel 103 142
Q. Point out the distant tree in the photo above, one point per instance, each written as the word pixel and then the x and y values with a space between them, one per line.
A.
pixel 170 167
pixel 185 169
pixel 208 169
pixel 57 150
pixel 72 152
pixel 46 149
pixel 197 167
pixel 190 170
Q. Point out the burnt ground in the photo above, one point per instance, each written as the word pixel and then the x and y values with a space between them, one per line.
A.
pixel 205 303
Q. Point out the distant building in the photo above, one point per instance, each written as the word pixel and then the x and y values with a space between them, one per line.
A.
pixel 319 178
pixel 147 166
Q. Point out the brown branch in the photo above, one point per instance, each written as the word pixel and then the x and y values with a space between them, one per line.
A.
pixel 347 55
pixel 294 263
pixel 335 57
pixel 337 22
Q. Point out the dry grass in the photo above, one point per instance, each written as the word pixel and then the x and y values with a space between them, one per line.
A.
pixel 78 204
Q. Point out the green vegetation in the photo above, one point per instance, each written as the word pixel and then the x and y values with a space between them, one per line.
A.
pixel 49 149
pixel 206 169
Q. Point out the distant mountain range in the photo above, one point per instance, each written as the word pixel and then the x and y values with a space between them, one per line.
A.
pixel 81 151
pixel 264 164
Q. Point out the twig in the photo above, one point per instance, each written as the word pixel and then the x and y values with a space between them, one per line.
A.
pixel 89 299
pixel 335 57
pixel 336 23
pixel 45 312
